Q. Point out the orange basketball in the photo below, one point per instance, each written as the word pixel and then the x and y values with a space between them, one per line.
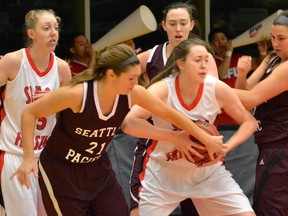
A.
pixel 210 129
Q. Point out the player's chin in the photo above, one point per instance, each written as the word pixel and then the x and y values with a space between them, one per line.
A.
pixel 203 75
pixel 52 47
pixel 126 91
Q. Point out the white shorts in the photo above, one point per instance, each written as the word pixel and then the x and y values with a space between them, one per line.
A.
pixel 212 189
pixel 19 200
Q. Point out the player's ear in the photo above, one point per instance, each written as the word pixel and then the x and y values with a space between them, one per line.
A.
pixel 30 33
pixel 110 74
pixel 72 50
pixel 163 24
pixel 180 64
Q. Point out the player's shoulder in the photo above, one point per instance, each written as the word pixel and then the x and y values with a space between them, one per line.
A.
pixel 10 63
pixel 63 70
pixel 222 88
pixel 61 62
pixel 143 56
pixel 13 57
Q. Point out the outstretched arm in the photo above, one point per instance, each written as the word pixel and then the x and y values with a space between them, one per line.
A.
pixel 231 104
pixel 273 85
pixel 52 103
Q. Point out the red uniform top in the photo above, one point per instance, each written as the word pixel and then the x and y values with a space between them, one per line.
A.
pixel 230 79
pixel 77 67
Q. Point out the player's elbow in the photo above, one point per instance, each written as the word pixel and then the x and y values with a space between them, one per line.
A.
pixel 127 125
pixel 252 122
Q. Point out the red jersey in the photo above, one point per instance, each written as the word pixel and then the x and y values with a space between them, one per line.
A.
pixel 77 67
pixel 230 79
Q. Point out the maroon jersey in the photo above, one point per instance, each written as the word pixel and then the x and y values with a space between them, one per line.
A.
pixel 272 115
pixel 76 176
pixel 157 61
pixel 82 137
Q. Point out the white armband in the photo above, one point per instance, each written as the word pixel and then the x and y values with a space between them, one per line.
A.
pixel 228 53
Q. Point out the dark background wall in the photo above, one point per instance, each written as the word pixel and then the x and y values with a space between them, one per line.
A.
pixel 237 15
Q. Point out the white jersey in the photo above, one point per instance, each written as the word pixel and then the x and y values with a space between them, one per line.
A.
pixel 168 178
pixel 205 108
pixel 19 93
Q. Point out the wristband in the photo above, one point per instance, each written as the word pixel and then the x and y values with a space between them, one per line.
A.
pixel 228 53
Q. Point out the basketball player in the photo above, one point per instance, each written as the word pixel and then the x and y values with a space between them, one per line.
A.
pixel 168 178
pixel 268 86
pixel 75 171
pixel 28 73
pixel 179 20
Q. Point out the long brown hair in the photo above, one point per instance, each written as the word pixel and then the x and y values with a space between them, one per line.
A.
pixel 180 52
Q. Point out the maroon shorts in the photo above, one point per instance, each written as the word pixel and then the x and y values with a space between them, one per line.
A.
pixel 80 190
pixel 271 186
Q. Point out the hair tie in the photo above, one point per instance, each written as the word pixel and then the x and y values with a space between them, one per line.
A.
pixel 132 60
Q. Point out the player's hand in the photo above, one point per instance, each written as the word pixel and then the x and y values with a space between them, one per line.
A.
pixel 215 147
pixel 244 65
pixel 39 94
pixel 184 144
pixel 23 172
pixel 217 158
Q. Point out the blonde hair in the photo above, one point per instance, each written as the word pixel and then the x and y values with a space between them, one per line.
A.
pixel 31 19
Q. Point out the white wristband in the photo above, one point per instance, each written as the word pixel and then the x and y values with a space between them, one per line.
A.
pixel 228 53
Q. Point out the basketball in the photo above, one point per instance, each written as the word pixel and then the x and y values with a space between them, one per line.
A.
pixel 210 129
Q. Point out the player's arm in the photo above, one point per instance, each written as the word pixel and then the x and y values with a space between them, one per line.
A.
pixel 273 85
pixel 9 66
pixel 244 66
pixel 63 71
pixel 62 98
pixel 231 104
pixel 212 67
